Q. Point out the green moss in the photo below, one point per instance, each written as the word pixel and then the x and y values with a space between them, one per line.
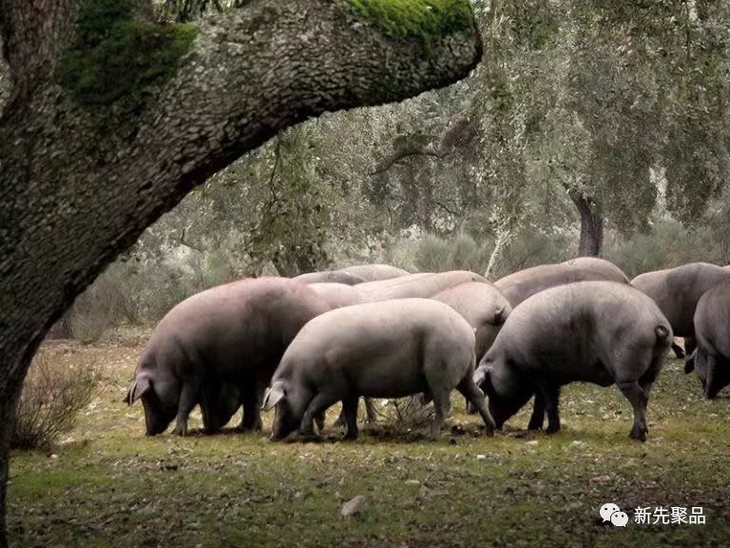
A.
pixel 116 55
pixel 426 19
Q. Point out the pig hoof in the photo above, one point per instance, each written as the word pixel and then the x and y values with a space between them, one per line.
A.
pixel 638 434
pixel 534 425
pixel 349 436
pixel 179 431
pixel 552 429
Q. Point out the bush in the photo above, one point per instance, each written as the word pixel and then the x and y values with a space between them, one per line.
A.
pixel 669 244
pixel 53 395
pixel 462 252
pixel 408 414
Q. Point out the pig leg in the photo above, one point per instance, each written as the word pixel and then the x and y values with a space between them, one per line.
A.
pixel 370 411
pixel 678 350
pixel 188 400
pixel 341 419
pixel 319 421
pixel 690 343
pixel 537 418
pixel 251 419
pixel 349 409
pixel 317 406
pixel 475 397
pixel 442 405
pixel 551 397
pixel 638 398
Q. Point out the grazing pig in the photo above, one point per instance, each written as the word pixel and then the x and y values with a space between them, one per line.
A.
pixel 677 291
pixel 338 295
pixel 218 348
pixel 330 276
pixel 599 332
pixel 375 272
pixel 422 285
pixel 523 284
pixel 711 359
pixel 389 349
pixel 483 306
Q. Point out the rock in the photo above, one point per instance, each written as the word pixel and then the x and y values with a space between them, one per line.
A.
pixel 532 443
pixel 353 506
pixel 481 457
pixel 577 445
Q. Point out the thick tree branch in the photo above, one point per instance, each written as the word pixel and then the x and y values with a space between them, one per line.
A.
pixel 80 182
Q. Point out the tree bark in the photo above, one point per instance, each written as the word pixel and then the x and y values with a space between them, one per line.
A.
pixel 78 190
pixel 591 224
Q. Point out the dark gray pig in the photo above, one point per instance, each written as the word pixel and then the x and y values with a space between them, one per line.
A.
pixel 234 334
pixel 421 285
pixel 677 291
pixel 523 284
pixel 388 349
pixel 599 332
pixel 711 359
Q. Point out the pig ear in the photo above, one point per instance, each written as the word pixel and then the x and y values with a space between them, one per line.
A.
pixel 500 315
pixel 689 365
pixel 139 386
pixel 274 395
pixel 480 375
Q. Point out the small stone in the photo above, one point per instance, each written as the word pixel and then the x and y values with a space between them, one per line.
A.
pixel 577 445
pixel 353 506
pixel 54 456
pixel 481 457
pixel 413 482
pixel 532 443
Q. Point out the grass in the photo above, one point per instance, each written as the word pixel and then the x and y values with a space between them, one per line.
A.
pixel 107 484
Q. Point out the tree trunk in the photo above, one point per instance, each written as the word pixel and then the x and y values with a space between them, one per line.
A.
pixel 591 224
pixel 80 182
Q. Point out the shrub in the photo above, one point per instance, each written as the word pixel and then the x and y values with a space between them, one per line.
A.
pixel 408 414
pixel 53 395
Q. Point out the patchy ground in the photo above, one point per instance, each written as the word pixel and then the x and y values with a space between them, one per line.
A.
pixel 107 484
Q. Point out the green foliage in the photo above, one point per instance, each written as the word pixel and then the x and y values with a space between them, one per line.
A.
pixel 425 19
pixel 117 55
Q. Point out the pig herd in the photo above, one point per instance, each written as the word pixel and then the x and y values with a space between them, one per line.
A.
pixel 300 345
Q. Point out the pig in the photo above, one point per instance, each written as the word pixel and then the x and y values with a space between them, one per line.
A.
pixel 711 358
pixel 523 284
pixel 599 332
pixel 337 296
pixel 376 272
pixel 483 306
pixel 677 291
pixel 219 348
pixel 421 285
pixel 330 276
pixel 387 349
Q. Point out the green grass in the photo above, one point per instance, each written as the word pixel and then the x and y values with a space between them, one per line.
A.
pixel 425 19
pixel 110 485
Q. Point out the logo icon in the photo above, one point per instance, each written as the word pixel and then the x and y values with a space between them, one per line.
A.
pixel 612 513
pixel 619 519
